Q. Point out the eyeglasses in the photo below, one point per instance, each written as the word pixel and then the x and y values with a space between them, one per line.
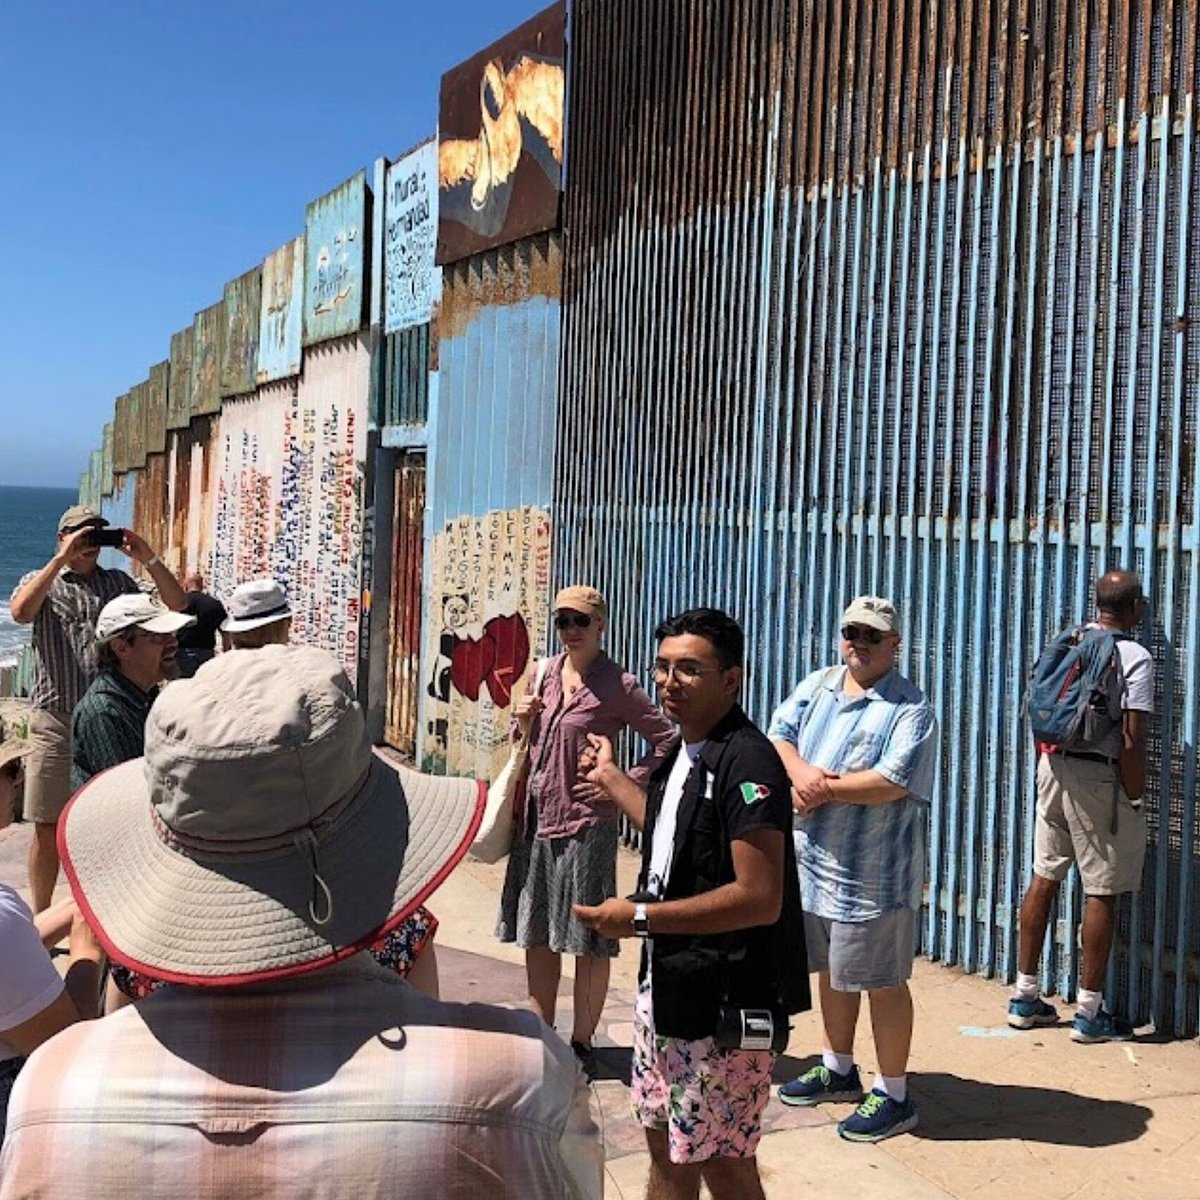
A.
pixel 567 620
pixel 684 672
pixel 863 633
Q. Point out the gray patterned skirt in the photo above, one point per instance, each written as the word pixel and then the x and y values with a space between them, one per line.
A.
pixel 543 880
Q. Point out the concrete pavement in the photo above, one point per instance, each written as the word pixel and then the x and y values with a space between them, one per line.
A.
pixel 1003 1114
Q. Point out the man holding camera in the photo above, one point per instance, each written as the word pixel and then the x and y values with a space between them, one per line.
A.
pixel 62 601
pixel 718 908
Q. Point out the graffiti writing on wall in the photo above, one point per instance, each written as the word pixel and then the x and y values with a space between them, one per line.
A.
pixel 412 284
pixel 490 579
pixel 290 497
pixel 335 261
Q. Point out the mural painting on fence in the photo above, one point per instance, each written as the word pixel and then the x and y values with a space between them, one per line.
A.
pixel 335 261
pixel 412 283
pixel 489 579
pixel 282 312
pixel 289 503
pixel 500 156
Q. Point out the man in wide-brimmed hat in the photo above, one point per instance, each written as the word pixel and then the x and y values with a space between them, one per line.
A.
pixel 62 600
pixel 247 858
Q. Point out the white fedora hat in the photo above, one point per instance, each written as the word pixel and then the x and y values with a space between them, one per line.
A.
pixel 257 602
pixel 260 836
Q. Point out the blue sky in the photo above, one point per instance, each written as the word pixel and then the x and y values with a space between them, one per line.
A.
pixel 152 151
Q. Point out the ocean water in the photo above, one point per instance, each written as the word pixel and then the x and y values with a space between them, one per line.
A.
pixel 28 521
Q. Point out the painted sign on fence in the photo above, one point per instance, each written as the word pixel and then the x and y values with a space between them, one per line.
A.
pixel 289 498
pixel 488 577
pixel 239 354
pixel 282 312
pixel 156 408
pixel 412 283
pixel 500 154
pixel 335 262
pixel 206 360
pixel 106 468
pixel 179 389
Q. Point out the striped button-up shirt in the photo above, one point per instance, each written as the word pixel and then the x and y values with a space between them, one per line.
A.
pixel 108 726
pixel 64 634
pixel 859 861
pixel 345 1082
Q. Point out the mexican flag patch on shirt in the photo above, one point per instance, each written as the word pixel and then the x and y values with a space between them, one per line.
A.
pixel 752 793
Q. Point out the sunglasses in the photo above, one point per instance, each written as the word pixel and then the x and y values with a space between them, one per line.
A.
pixel 863 633
pixel 577 619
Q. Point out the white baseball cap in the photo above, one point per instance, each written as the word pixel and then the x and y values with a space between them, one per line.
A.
pixel 136 610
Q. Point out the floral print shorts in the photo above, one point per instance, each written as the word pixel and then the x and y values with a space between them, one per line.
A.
pixel 708 1101
pixel 397 951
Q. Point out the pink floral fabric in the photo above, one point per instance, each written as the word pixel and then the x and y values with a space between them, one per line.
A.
pixel 708 1101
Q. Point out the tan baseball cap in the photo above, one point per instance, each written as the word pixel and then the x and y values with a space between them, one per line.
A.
pixel 581 598
pixel 873 611
pixel 136 610
pixel 77 515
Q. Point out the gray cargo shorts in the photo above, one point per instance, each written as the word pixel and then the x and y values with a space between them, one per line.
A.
pixel 863 956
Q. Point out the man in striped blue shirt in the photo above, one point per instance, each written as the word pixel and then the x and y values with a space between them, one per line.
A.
pixel 859 743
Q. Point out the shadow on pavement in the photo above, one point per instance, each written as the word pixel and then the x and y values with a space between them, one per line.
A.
pixel 954 1109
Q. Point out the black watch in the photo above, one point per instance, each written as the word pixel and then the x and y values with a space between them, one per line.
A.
pixel 641 921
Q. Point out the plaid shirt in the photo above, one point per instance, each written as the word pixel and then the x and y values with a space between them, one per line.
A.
pixel 108 726
pixel 343 1082
pixel 64 634
pixel 860 861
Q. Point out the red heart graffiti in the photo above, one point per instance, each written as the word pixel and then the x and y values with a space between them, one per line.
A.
pixel 497 659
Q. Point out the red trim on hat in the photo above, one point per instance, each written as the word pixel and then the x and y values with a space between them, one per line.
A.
pixel 221 981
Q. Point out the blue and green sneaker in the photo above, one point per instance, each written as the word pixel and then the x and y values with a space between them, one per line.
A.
pixel 879 1117
pixel 819 1085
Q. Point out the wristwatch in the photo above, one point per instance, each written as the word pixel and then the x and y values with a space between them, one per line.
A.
pixel 152 561
pixel 641 922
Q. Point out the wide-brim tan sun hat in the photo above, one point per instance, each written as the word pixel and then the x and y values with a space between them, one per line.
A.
pixel 260 836
pixel 14 737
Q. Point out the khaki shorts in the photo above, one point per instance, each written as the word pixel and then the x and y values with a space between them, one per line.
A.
pixel 863 956
pixel 47 766
pixel 1074 824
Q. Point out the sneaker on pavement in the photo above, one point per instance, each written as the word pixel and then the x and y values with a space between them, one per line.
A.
pixel 1103 1027
pixel 1027 1014
pixel 585 1056
pixel 819 1085
pixel 879 1117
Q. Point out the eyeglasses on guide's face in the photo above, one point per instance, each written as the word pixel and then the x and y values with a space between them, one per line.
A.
pixel 863 633
pixel 685 672
pixel 566 620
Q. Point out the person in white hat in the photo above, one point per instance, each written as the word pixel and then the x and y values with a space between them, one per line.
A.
pixel 249 857
pixel 35 1002
pixel 136 639
pixel 62 600
pixel 258 615
pixel 859 743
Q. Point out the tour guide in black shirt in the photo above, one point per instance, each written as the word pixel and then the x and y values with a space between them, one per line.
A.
pixel 718 904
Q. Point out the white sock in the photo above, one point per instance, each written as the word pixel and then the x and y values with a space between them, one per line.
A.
pixel 895 1086
pixel 1089 1003
pixel 840 1063
pixel 1027 987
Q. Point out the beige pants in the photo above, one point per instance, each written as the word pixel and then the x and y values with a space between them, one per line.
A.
pixel 48 766
pixel 1074 824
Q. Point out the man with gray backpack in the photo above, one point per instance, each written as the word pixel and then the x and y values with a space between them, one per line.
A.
pixel 1090 697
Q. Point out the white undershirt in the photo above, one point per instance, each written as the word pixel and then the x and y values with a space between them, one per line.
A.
pixel 662 848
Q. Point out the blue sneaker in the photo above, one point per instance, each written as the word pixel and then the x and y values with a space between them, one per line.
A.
pixel 879 1117
pixel 1026 1014
pixel 1103 1027
pixel 819 1085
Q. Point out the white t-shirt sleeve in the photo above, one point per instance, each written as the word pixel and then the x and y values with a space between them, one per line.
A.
pixel 1138 667
pixel 28 980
